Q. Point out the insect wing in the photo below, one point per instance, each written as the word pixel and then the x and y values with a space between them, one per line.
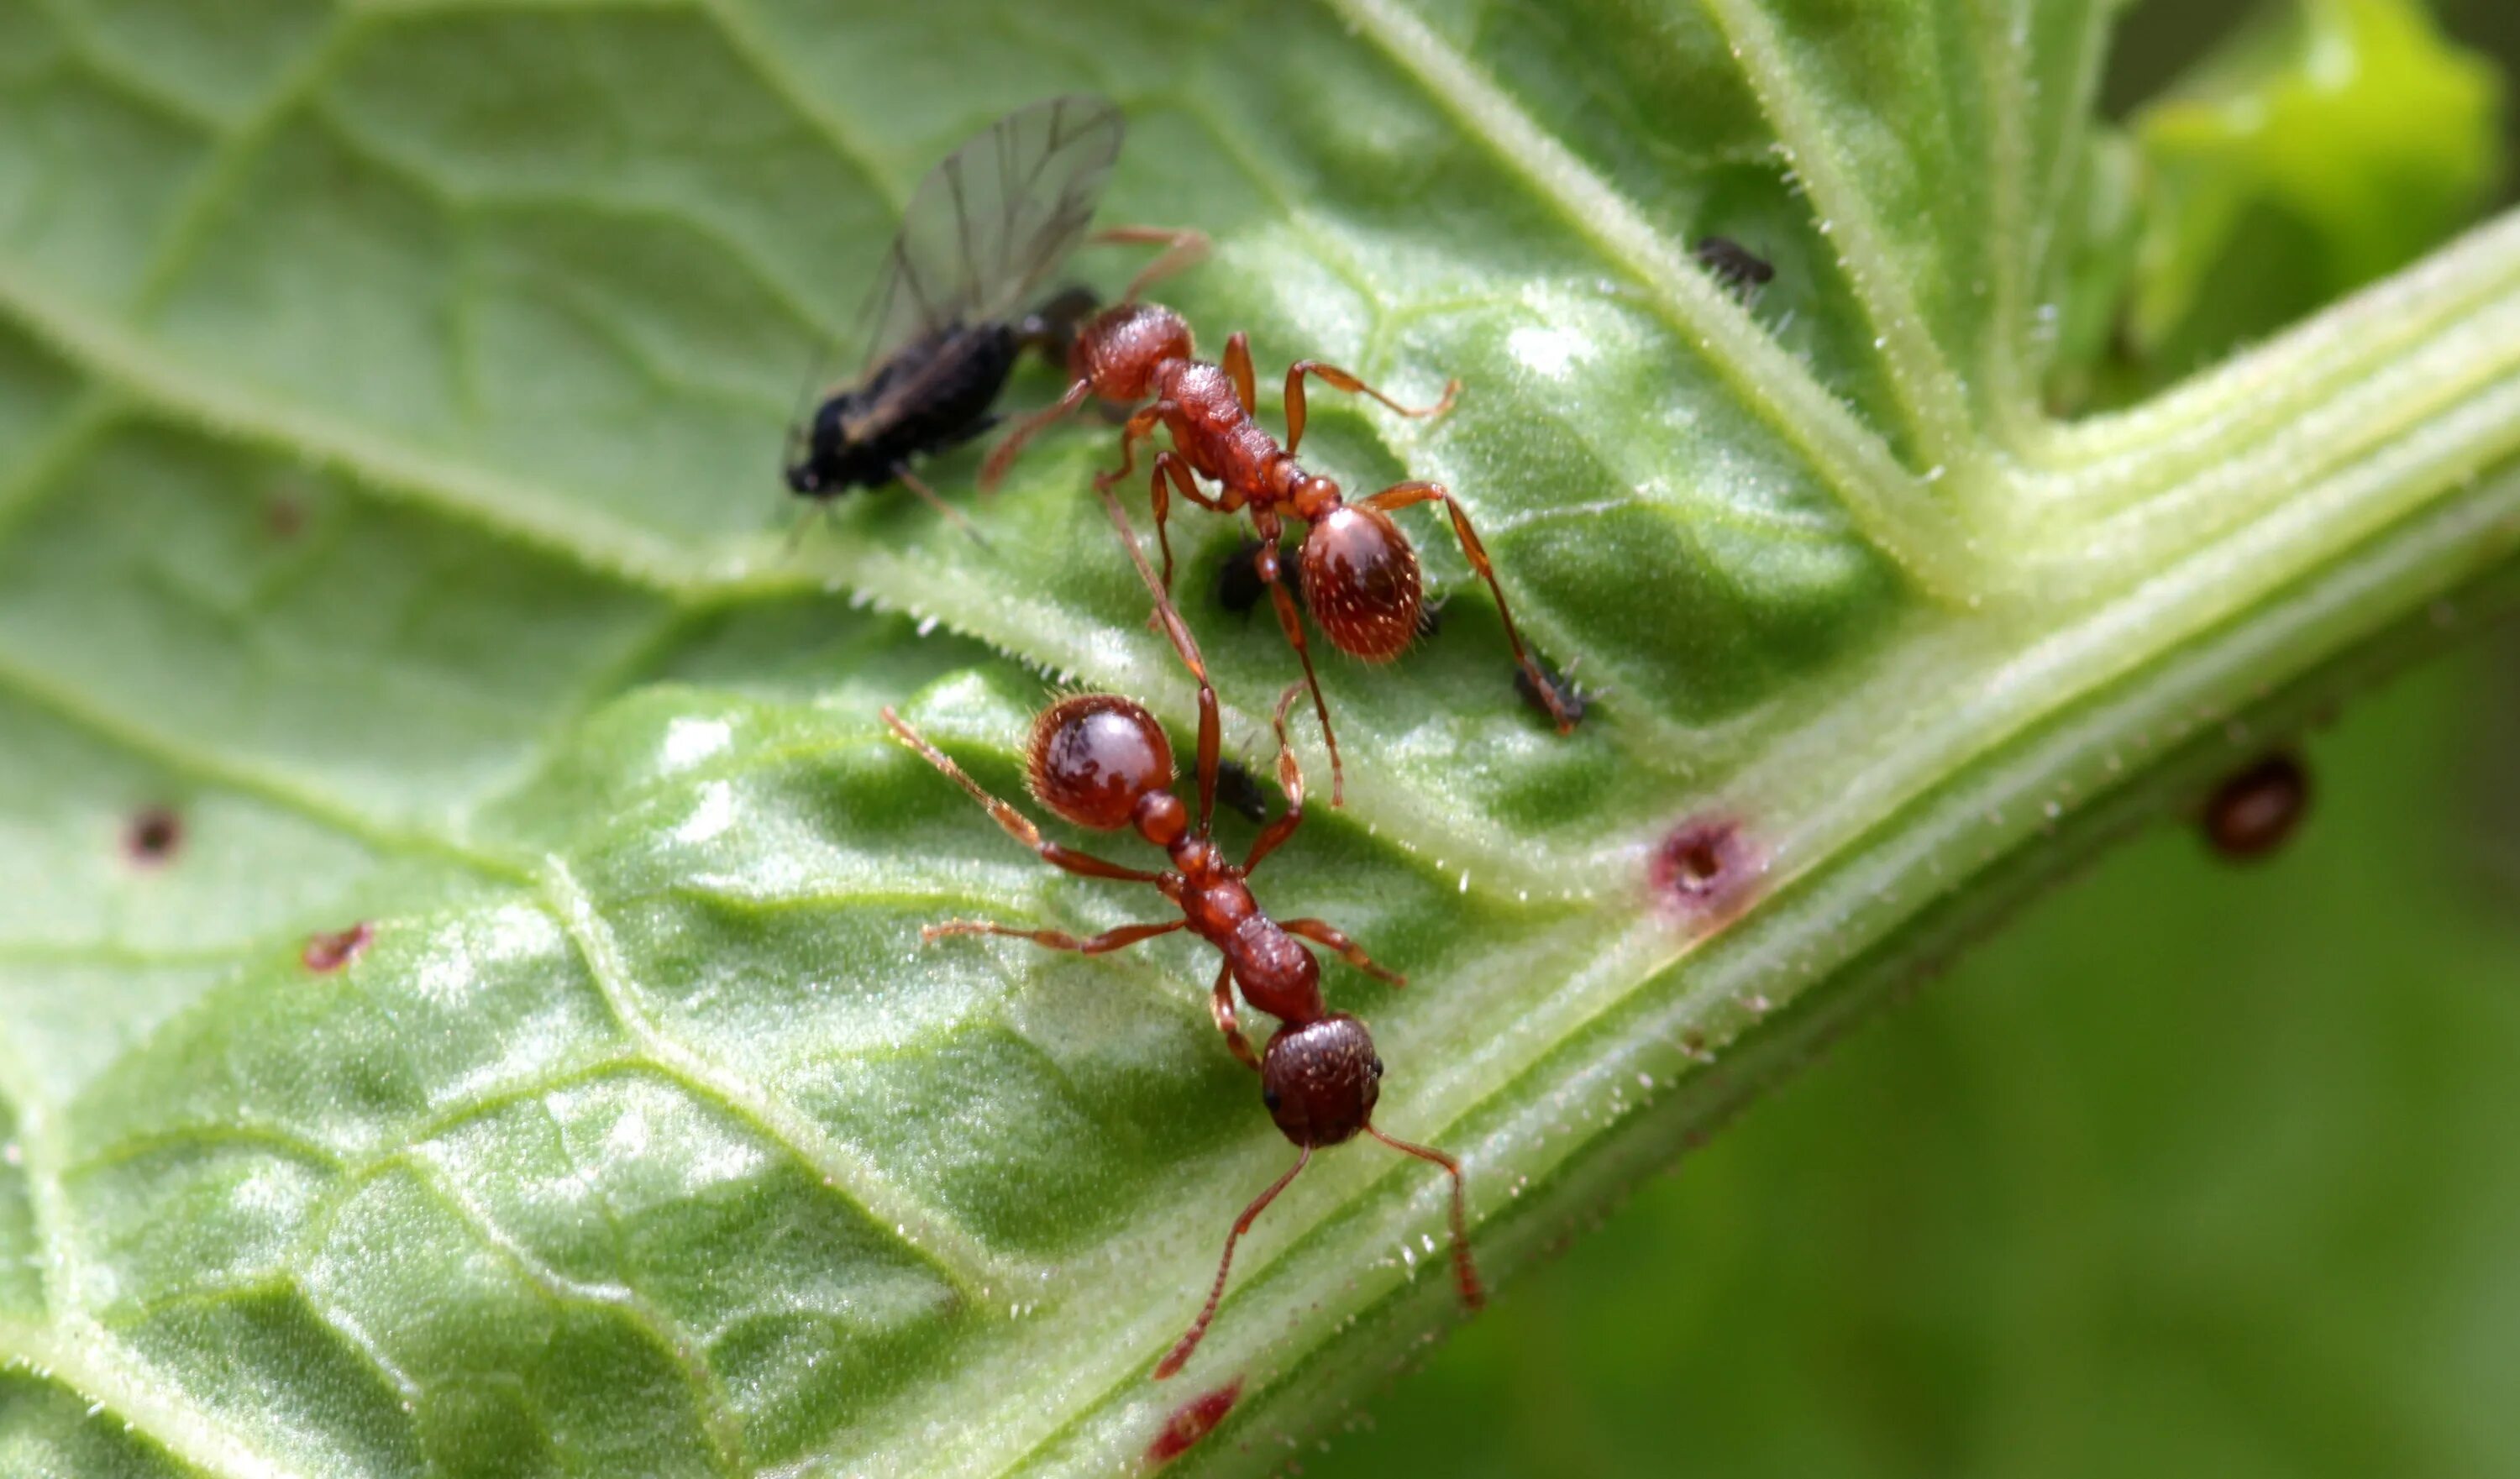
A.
pixel 994 219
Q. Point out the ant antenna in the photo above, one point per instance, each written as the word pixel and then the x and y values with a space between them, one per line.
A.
pixel 1465 1274
pixel 1210 727
pixel 1179 1356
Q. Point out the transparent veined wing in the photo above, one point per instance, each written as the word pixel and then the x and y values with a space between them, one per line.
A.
pixel 995 219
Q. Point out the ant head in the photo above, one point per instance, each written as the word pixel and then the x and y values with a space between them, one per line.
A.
pixel 1120 348
pixel 1320 1080
pixel 1101 761
pixel 1360 579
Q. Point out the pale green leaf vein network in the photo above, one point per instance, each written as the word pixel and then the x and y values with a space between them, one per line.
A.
pixel 131 364
pixel 1888 502
pixel 1922 379
pixel 967 1263
pixel 264 781
pixel 726 1444
pixel 72 1349
pixel 215 184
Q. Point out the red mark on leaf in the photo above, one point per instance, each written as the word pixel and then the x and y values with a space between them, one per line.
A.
pixel 153 835
pixel 1707 870
pixel 331 951
pixel 284 515
pixel 1190 1421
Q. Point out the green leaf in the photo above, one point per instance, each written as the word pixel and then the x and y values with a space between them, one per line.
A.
pixel 2326 145
pixel 388 399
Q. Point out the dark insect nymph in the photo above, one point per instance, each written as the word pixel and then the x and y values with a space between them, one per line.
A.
pixel 947 317
pixel 1740 270
pixel 1101 761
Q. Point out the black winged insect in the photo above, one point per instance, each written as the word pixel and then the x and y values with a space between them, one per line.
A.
pixel 947 319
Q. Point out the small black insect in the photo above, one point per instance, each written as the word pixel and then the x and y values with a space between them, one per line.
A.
pixel 1572 700
pixel 945 319
pixel 1238 790
pixel 1742 271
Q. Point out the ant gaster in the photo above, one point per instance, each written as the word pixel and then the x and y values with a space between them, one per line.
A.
pixel 1359 572
pixel 1101 761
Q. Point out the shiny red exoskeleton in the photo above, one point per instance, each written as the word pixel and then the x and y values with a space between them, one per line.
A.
pixel 1359 572
pixel 1101 761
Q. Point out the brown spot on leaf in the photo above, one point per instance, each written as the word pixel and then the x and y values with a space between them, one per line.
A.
pixel 331 950
pixel 1190 1421
pixel 1707 870
pixel 153 835
pixel 284 514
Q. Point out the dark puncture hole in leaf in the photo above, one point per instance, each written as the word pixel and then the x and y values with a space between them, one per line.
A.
pixel 153 835
pixel 1706 870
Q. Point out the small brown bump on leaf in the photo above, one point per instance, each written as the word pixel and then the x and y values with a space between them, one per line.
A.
pixel 153 835
pixel 284 514
pixel 331 950
pixel 2257 809
pixel 1190 1421
pixel 1707 870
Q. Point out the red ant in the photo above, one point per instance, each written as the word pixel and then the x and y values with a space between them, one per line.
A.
pixel 1359 572
pixel 1101 761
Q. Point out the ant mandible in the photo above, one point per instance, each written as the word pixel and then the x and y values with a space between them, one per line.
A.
pixel 1101 761
pixel 1359 572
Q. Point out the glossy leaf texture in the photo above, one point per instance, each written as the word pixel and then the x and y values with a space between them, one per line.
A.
pixel 390 398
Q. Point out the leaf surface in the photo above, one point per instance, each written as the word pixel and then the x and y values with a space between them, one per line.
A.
pixel 390 397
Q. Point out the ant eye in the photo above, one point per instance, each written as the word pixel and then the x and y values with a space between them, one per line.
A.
pixel 1377 1068
pixel 1270 1100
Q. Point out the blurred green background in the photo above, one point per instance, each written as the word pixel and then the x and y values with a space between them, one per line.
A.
pixel 2198 1169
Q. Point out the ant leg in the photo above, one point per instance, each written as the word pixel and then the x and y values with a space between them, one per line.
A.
pixel 1185 646
pixel 1172 468
pixel 1264 561
pixel 1138 429
pixel 1322 933
pixel 994 471
pixel 1179 1356
pixel 1400 496
pixel 910 481
pixel 1184 246
pixel 1220 1005
pixel 1050 939
pixel 1341 379
pixel 1015 824
pixel 1291 780
pixel 1238 365
pixel 1465 1274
